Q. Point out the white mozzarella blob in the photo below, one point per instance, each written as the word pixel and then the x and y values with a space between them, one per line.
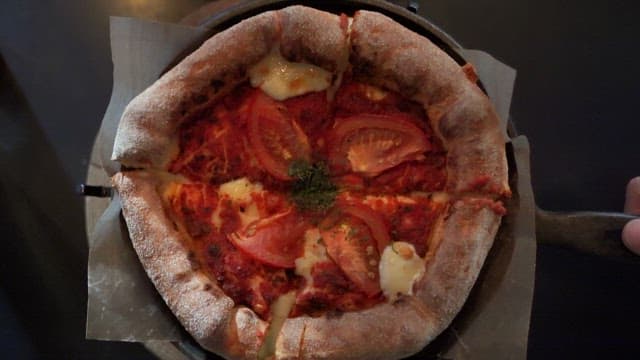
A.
pixel 282 79
pixel 280 310
pixel 314 252
pixel 239 192
pixel 399 268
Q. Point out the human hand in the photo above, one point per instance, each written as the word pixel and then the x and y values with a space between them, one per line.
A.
pixel 631 231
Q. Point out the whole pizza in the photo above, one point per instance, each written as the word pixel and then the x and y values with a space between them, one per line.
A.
pixel 312 185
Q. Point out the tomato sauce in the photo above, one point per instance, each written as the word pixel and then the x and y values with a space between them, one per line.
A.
pixel 213 145
pixel 413 223
pixel 219 143
pixel 245 280
pixel 331 291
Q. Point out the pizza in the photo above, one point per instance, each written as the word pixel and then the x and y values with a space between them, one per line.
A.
pixel 312 185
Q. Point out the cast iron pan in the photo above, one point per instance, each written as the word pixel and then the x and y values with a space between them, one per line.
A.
pixel 592 232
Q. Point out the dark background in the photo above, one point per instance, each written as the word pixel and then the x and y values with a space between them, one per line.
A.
pixel 576 99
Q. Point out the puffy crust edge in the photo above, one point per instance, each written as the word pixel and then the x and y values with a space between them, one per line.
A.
pixel 146 133
pixel 389 55
pixel 146 136
pixel 200 305
pixel 387 331
pixel 454 263
pixel 476 156
pixel 313 36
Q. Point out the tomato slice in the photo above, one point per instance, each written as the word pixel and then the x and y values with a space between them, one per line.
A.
pixel 276 240
pixel 350 181
pixel 355 236
pixel 374 221
pixel 350 244
pixel 427 176
pixel 276 137
pixel 369 144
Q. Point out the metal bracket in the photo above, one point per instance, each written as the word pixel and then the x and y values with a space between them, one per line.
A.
pixel 592 232
pixel 95 191
pixel 410 5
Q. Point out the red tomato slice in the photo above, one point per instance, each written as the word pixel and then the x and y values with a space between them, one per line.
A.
pixel 374 221
pixel 349 181
pixel 350 244
pixel 276 137
pixel 276 240
pixel 369 144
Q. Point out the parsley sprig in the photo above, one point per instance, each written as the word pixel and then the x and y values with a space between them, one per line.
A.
pixel 312 188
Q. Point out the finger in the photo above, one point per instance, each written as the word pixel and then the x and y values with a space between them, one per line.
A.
pixel 632 198
pixel 631 236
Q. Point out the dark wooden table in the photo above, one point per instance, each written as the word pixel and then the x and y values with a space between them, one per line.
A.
pixel 576 98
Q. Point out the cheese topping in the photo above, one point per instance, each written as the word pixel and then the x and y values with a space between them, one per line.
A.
pixel 239 192
pixel 282 79
pixel 170 190
pixel 405 200
pixel 374 93
pixel 280 310
pixel 314 252
pixel 399 268
pixel 440 197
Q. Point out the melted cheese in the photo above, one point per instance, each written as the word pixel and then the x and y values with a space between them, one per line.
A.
pixel 239 190
pixel 239 193
pixel 170 190
pixel 280 310
pixel 314 252
pixel 440 197
pixel 399 268
pixel 282 79
pixel 405 200
pixel 374 93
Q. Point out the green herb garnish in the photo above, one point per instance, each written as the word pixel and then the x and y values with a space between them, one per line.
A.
pixel 312 188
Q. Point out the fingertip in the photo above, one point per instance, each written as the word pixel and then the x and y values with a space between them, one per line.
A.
pixel 631 235
pixel 635 181
pixel 632 197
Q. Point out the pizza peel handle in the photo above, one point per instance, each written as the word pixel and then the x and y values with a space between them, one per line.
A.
pixel 592 232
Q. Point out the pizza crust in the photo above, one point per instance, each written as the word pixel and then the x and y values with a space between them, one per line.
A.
pixel 313 36
pixel 387 331
pixel 197 301
pixel 147 133
pixel 147 136
pixel 389 55
pixel 453 264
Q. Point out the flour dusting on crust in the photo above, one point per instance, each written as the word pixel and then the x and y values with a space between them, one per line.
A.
pixel 197 302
